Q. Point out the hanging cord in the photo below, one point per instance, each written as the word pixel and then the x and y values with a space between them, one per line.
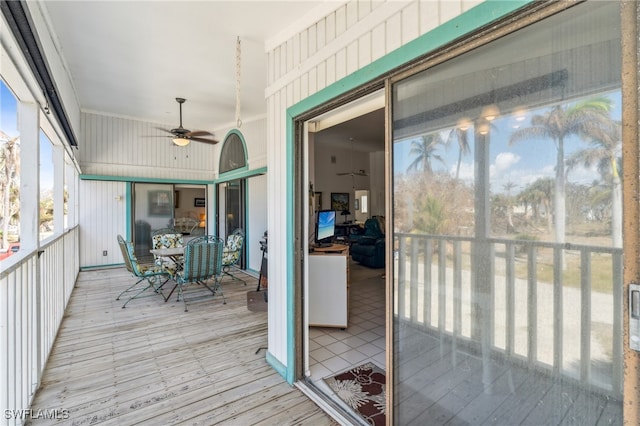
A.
pixel 238 55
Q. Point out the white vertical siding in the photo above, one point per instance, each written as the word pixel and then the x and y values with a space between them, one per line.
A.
pixel 115 146
pixel 350 38
pixel 102 218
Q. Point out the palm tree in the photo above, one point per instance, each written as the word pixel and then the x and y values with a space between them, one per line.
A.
pixel 508 187
pixel 604 138
pixel 462 136
pixel 431 216
pixel 424 151
pixel 539 193
pixel 557 124
pixel 10 165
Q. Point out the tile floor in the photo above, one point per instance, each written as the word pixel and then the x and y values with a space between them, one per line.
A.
pixel 332 350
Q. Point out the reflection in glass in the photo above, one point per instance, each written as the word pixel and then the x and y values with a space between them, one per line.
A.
pixel 507 229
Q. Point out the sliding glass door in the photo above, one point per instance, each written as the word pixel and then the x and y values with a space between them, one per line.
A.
pixel 231 207
pixel 153 206
pixel 507 235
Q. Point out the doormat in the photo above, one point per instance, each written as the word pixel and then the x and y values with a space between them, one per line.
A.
pixel 257 301
pixel 362 388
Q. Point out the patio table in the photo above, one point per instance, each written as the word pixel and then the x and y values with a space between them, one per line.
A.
pixel 176 254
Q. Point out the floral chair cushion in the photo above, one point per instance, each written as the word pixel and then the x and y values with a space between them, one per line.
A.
pixel 141 269
pixel 167 241
pixel 231 252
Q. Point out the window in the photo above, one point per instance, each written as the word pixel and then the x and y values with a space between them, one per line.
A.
pixel 46 211
pixel 9 168
pixel 233 155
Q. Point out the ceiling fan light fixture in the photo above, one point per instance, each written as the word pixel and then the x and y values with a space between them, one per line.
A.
pixel 181 141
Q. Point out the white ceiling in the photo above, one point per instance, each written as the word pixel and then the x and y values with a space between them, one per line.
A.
pixel 133 58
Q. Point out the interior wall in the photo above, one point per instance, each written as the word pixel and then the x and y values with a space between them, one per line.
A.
pixel 185 207
pixel 328 162
pixel 376 162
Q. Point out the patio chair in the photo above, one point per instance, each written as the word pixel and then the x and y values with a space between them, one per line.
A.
pixel 151 275
pixel 231 254
pixel 202 262
pixel 167 238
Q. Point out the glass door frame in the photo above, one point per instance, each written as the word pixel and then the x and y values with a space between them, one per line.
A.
pixel 222 223
pixel 161 210
pixel 631 183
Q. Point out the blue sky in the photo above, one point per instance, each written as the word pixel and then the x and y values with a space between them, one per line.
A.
pixel 521 164
pixel 8 113
pixel 9 125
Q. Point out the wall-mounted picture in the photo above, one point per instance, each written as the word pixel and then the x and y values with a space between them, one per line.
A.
pixel 160 203
pixel 339 201
pixel 199 202
pixel 318 200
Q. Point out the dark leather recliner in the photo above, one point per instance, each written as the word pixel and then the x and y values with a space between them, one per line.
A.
pixel 369 248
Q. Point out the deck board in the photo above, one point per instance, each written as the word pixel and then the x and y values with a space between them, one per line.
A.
pixel 152 363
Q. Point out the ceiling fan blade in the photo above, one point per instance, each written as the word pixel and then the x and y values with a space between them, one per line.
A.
pixel 211 141
pixel 352 174
pixel 200 133
pixel 182 133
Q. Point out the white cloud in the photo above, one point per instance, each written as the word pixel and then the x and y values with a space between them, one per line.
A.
pixel 466 172
pixel 504 161
pixel 584 175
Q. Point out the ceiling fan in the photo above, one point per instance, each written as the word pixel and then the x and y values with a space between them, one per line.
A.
pixel 182 136
pixel 353 173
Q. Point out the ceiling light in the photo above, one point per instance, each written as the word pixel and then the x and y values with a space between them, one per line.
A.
pixel 483 127
pixel 181 141
pixel 490 112
pixel 521 114
pixel 464 123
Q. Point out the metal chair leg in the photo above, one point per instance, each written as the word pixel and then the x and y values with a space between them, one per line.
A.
pixel 225 271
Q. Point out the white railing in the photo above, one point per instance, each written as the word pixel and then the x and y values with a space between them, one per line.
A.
pixel 539 304
pixel 33 296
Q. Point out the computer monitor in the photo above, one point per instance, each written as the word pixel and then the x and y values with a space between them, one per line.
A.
pixel 325 227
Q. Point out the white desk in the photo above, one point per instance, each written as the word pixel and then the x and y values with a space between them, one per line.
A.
pixel 329 286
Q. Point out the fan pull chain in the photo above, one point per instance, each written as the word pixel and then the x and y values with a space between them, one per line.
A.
pixel 238 55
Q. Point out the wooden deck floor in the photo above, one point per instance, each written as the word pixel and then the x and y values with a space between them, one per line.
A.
pixel 152 363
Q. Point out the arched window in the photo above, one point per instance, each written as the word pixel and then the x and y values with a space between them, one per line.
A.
pixel 233 155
